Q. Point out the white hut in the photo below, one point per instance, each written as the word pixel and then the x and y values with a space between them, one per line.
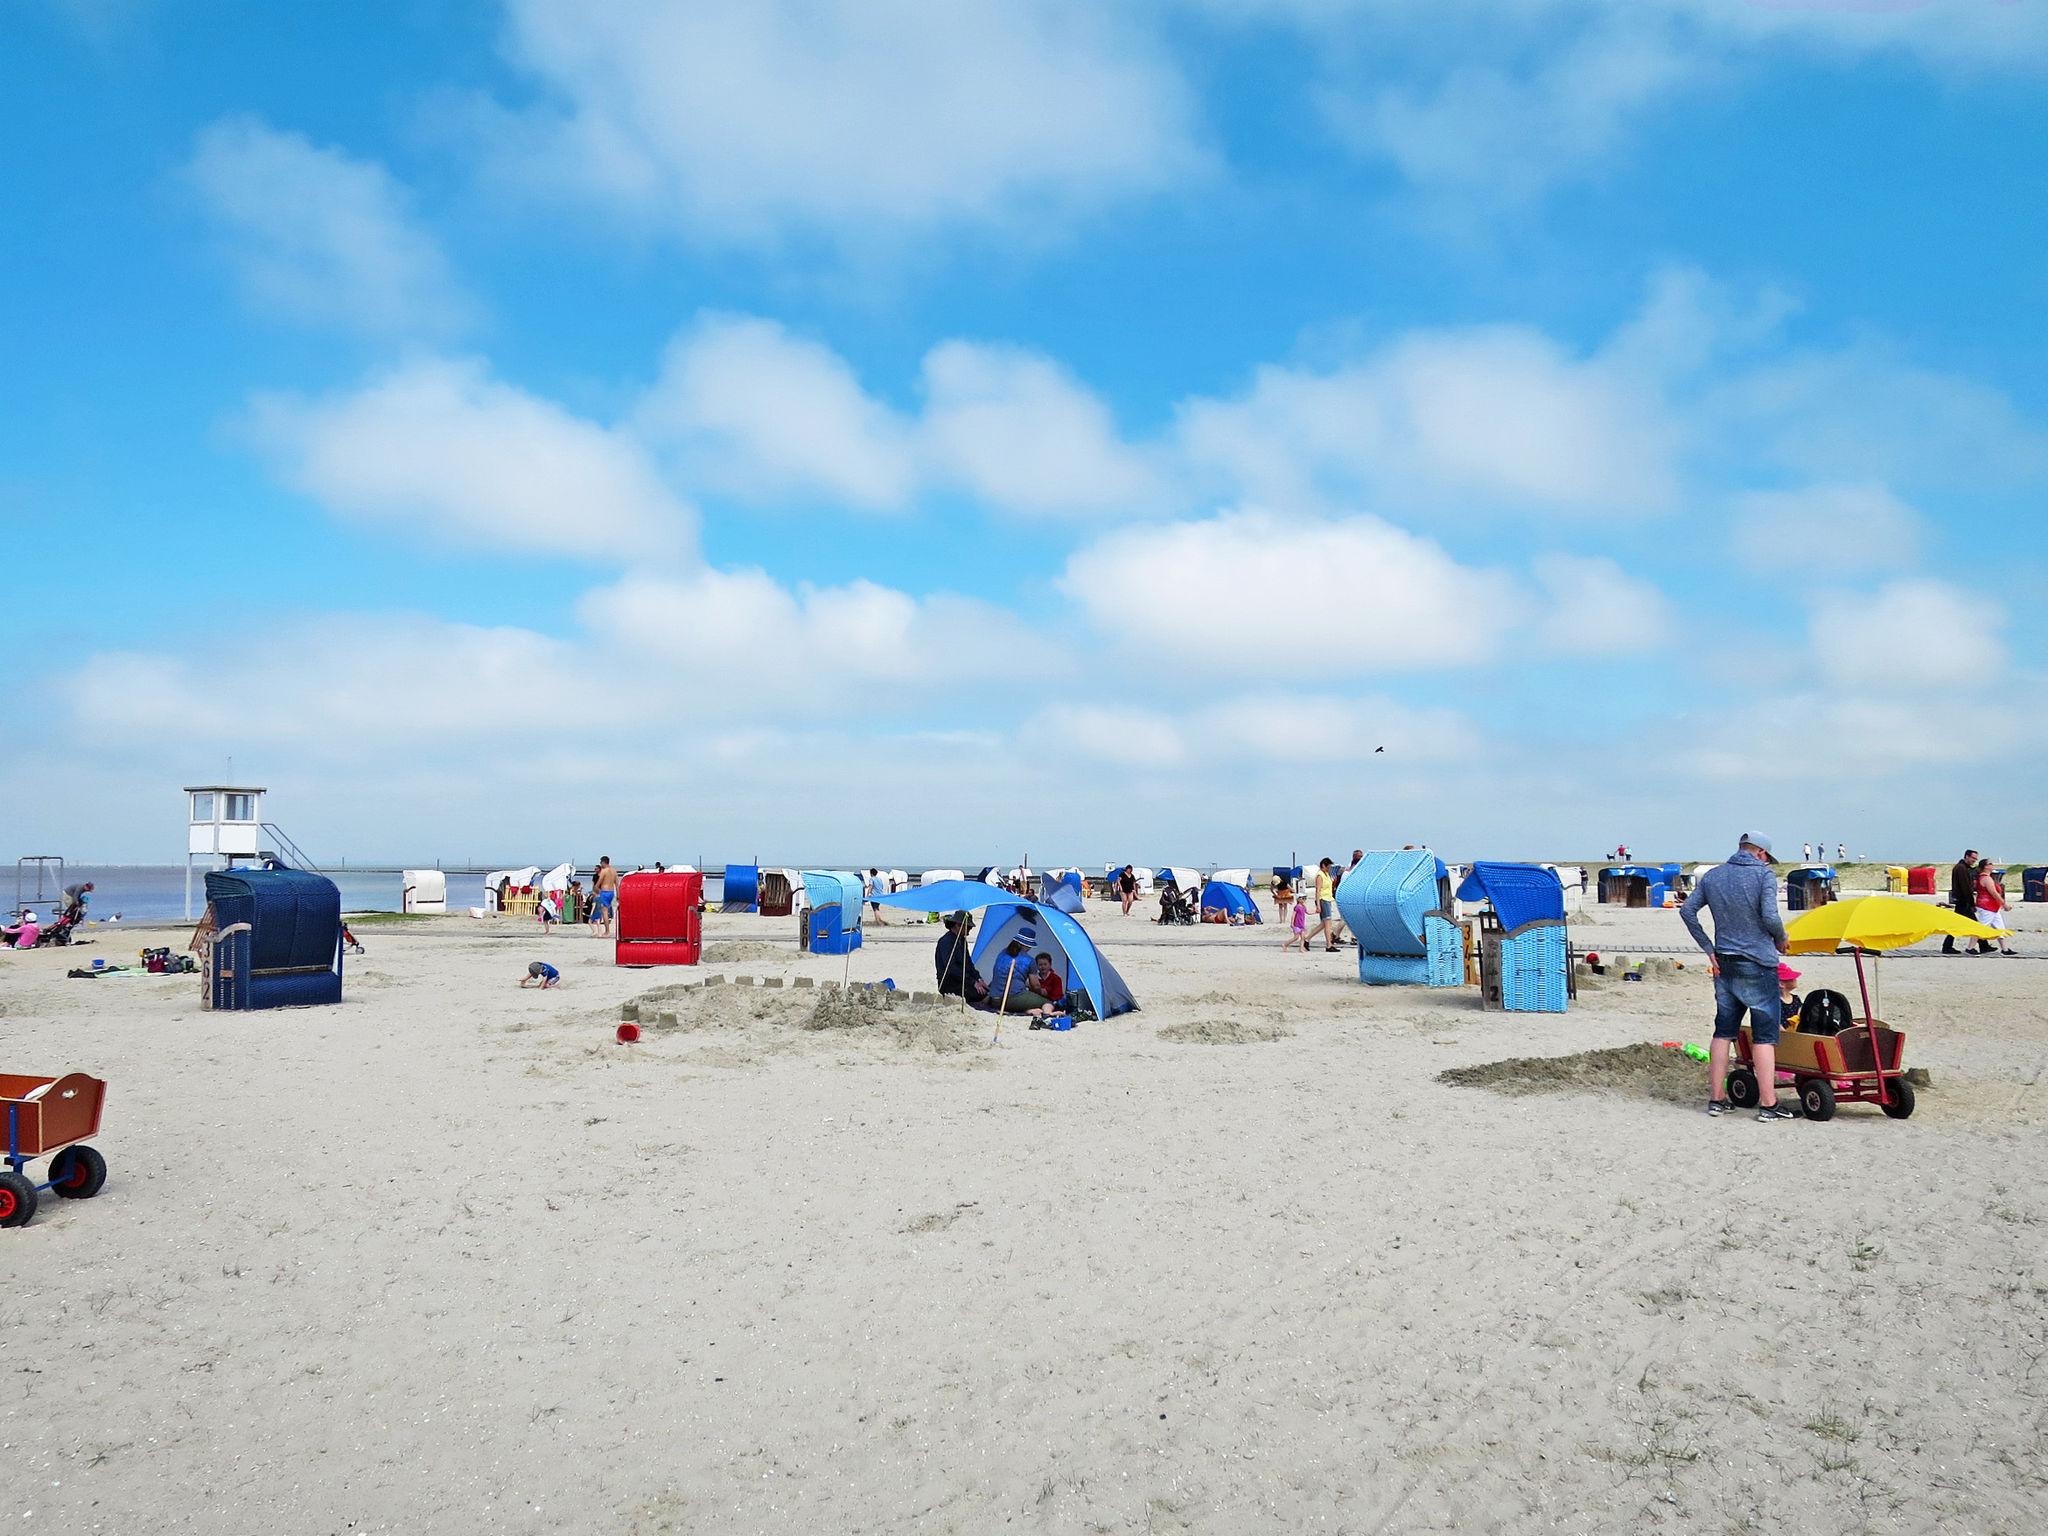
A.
pixel 422 890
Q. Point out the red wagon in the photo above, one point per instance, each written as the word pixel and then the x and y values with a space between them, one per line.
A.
pixel 50 1117
pixel 1863 1063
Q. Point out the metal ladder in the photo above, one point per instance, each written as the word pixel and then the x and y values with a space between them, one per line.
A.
pixel 288 852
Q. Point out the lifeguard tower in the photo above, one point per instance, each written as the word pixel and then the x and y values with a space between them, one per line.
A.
pixel 226 824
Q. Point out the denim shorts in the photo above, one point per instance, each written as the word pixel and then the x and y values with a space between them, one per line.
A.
pixel 1747 986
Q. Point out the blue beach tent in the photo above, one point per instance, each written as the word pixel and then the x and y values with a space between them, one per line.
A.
pixel 831 923
pixel 1074 955
pixel 1519 893
pixel 284 950
pixel 1063 891
pixel 1233 901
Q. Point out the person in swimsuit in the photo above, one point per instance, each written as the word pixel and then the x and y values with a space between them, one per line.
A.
pixel 606 883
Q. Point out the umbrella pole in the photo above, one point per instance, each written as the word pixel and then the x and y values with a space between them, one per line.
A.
pixel 1870 1029
pixel 1004 1007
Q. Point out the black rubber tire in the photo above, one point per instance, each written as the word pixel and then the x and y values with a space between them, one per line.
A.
pixel 1742 1088
pixel 1817 1098
pixel 1899 1098
pixel 17 1200
pixel 78 1173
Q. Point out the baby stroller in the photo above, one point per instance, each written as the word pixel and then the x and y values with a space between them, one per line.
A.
pixel 1176 906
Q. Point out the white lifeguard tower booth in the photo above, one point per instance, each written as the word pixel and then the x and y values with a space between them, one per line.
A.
pixel 226 824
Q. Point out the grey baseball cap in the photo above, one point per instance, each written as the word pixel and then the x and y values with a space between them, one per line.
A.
pixel 1755 840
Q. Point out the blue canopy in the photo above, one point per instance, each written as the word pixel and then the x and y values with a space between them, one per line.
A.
pixel 1080 964
pixel 740 890
pixel 1062 891
pixel 1520 893
pixel 1230 900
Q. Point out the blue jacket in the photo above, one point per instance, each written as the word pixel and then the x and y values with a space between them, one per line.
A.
pixel 1743 896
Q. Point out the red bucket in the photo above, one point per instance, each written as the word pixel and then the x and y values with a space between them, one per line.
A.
pixel 628 1033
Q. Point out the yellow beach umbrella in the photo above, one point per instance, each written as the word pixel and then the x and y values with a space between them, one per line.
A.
pixel 1876 923
pixel 1869 925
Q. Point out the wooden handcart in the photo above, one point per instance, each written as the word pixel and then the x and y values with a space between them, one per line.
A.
pixel 50 1117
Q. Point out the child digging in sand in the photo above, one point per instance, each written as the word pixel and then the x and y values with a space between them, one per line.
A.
pixel 540 974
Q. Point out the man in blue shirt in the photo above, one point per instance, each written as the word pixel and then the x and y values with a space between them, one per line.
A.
pixel 1742 957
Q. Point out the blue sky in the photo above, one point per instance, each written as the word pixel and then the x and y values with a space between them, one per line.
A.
pixel 854 430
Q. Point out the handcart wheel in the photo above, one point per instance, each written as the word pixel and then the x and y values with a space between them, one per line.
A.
pixel 1817 1098
pixel 1742 1089
pixel 17 1200
pixel 78 1173
pixel 1898 1098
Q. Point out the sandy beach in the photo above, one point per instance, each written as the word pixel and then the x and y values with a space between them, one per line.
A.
pixel 448 1258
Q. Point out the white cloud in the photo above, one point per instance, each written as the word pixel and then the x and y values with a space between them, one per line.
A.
pixel 753 645
pixel 1595 608
pixel 860 119
pixel 1251 592
pixel 1486 102
pixel 1505 136
pixel 1833 528
pixel 768 414
pixel 440 444
pixel 1906 636
pixel 320 236
pixel 1014 429
pixel 339 687
pixel 1863 412
pixel 1138 739
pixel 1494 413
pixel 1313 730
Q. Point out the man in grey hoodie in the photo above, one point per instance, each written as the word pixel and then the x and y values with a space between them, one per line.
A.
pixel 1742 957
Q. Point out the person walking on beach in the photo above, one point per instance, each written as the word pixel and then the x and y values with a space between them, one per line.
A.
pixel 1991 905
pixel 1962 895
pixel 1283 897
pixel 1742 957
pixel 877 888
pixel 1326 905
pixel 1297 928
pixel 1127 886
pixel 605 882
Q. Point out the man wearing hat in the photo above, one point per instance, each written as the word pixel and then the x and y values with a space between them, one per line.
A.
pixel 954 961
pixel 1742 957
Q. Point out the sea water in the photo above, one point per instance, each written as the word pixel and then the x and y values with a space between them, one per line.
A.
pixel 155 893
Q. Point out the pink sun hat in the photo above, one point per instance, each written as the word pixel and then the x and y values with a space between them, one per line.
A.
pixel 1787 974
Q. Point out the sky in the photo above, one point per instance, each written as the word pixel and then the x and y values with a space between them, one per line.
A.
pixel 1183 430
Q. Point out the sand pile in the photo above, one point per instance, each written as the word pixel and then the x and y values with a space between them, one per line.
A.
pixel 1635 1071
pixel 1223 1032
pixel 856 1012
pixel 922 1026
pixel 744 952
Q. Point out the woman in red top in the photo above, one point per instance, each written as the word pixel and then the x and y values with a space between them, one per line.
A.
pixel 1991 904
